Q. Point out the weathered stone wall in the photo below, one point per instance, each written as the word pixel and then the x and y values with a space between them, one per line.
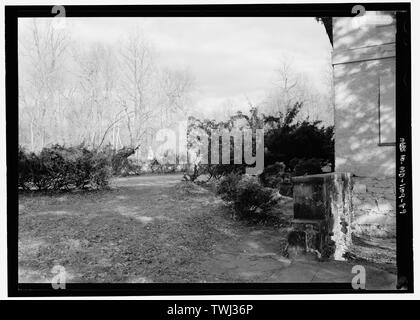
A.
pixel 374 207
pixel 322 211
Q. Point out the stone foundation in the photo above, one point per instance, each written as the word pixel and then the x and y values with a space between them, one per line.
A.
pixel 339 215
pixel 374 213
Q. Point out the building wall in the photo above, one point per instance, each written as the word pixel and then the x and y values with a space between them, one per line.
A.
pixel 374 207
pixel 364 96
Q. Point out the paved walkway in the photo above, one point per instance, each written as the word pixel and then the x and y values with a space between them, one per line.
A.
pixel 255 254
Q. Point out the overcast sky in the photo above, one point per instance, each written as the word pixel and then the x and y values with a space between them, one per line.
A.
pixel 230 58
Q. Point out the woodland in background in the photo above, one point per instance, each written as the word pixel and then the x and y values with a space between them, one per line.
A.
pixel 97 108
pixel 71 93
pixel 120 94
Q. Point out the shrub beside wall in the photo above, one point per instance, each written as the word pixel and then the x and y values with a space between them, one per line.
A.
pixel 247 196
pixel 62 168
pixel 275 176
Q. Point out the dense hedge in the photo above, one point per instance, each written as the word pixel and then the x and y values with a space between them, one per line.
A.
pixel 63 168
pixel 247 196
pixel 303 146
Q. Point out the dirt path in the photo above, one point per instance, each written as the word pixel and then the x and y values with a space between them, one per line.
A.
pixel 157 229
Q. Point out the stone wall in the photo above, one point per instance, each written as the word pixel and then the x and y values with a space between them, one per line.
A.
pixel 322 211
pixel 374 207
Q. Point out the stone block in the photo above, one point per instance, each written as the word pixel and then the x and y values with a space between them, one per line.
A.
pixel 374 211
pixel 359 188
pixel 323 210
pixel 357 201
pixel 385 205
pixel 367 205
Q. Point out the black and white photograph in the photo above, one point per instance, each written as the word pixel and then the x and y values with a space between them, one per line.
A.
pixel 197 147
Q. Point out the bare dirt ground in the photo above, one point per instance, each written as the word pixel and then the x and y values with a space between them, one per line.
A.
pixel 159 229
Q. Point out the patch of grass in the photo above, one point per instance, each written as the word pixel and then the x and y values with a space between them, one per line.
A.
pixel 104 236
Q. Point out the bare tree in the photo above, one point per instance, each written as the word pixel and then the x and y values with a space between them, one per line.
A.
pixel 291 87
pixel 96 76
pixel 136 82
pixel 42 81
pixel 72 93
pixel 176 86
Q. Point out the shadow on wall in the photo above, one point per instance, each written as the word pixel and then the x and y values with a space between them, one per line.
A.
pixel 364 97
pixel 364 94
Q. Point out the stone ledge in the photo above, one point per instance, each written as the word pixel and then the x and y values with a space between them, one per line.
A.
pixel 359 188
pixel 318 178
